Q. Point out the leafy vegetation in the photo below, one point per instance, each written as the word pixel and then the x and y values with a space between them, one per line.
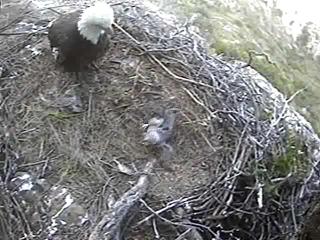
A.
pixel 293 160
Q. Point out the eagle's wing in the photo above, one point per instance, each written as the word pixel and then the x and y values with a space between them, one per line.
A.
pixel 63 28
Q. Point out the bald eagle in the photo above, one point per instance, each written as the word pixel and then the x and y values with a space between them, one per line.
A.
pixel 81 37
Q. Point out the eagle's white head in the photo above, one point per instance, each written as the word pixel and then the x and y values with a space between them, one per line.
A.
pixel 95 21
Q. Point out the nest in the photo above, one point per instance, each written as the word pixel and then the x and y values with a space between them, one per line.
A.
pixel 240 170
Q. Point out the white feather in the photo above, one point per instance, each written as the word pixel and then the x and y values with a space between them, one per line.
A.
pixel 95 20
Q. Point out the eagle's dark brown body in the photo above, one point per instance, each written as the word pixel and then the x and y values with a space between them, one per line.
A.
pixel 75 52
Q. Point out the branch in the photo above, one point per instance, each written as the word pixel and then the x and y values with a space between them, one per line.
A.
pixel 257 54
pixel 109 227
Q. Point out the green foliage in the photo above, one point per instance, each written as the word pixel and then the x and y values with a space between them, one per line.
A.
pixel 292 160
pixel 287 163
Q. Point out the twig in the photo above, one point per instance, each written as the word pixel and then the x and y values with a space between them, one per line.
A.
pixel 160 63
pixel 110 224
pixel 17 19
pixel 181 224
pixel 156 232
pixel 127 34
pixel 156 213
pixel 254 53
pixel 21 33
pixel 179 78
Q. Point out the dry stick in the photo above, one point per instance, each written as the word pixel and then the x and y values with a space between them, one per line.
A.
pixel 179 78
pixel 281 116
pixel 185 233
pixel 16 20
pixel 180 224
pixel 127 34
pixel 17 33
pixel 156 232
pixel 176 77
pixel 212 115
pixel 158 212
pixel 196 100
pixel 17 207
pixel 20 17
pixel 169 206
pixel 109 226
pixel 251 53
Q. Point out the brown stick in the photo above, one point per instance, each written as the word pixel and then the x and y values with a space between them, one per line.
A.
pixel 109 227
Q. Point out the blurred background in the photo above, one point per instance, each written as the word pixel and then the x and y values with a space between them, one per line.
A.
pixel 284 30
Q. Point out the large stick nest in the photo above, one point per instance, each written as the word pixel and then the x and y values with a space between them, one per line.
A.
pixel 243 157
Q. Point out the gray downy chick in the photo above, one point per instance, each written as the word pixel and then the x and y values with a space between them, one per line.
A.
pixel 159 131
